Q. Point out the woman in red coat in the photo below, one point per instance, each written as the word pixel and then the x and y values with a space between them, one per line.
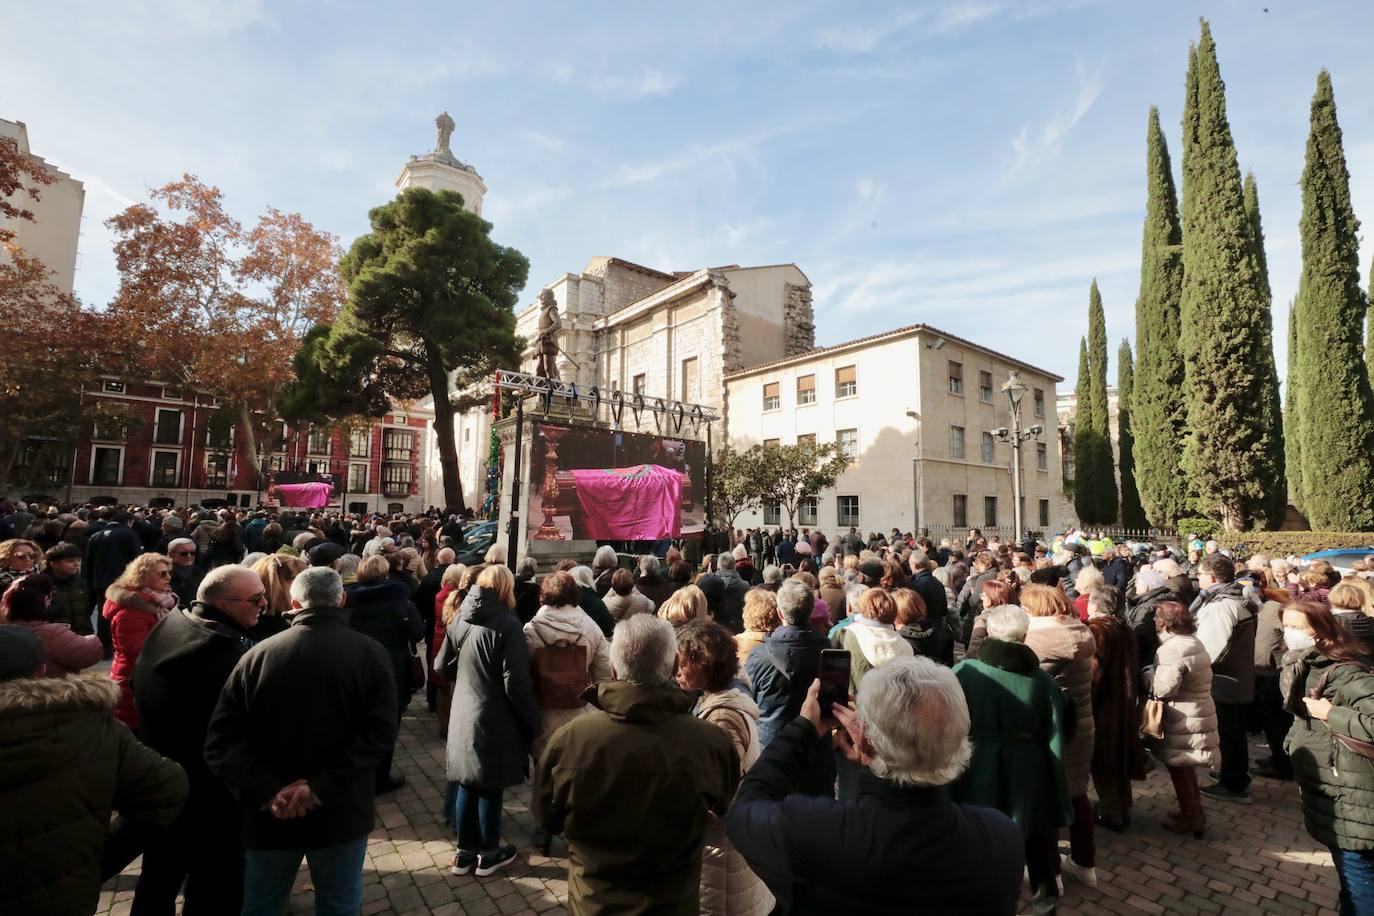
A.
pixel 450 584
pixel 138 599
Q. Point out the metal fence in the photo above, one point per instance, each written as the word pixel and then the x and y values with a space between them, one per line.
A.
pixel 957 534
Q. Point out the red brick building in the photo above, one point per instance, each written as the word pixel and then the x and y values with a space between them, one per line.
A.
pixel 165 444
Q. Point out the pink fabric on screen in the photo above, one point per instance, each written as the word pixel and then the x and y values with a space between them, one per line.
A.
pixel 304 495
pixel 641 503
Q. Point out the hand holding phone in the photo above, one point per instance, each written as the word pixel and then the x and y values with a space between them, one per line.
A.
pixel 834 676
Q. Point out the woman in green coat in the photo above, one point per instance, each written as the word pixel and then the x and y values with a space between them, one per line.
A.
pixel 1330 687
pixel 1018 715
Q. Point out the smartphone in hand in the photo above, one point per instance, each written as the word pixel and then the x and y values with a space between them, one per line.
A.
pixel 834 675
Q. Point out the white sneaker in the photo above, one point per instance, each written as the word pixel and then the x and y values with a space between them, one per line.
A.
pixel 1084 875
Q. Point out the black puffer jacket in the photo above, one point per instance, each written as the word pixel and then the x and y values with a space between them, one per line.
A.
pixel 65 762
pixel 1141 617
pixel 1337 784
pixel 383 610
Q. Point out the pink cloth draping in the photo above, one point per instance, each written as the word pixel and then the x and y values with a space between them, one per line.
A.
pixel 304 495
pixel 640 503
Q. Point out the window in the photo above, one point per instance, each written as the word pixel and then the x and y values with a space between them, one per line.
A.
pixel 218 434
pixel 846 382
pixel 956 442
pixel 1039 394
pixel 170 394
pixel 987 448
pixel 360 443
pixel 772 396
pixel 1044 513
pixel 397 444
pixel 164 469
pixel 772 514
pixel 806 439
pixel 847 508
pixel 771 443
pixel 691 380
pixel 467 434
pixel 848 441
pixel 807 510
pixel 396 479
pixel 317 466
pixel 317 443
pixel 637 384
pixel 956 377
pixel 167 429
pixel 107 466
pixel 109 428
pixel 985 387
pixel 960 510
pixel 990 511
pixel 1041 457
pixel 114 387
pixel 217 472
pixel 357 478
pixel 806 390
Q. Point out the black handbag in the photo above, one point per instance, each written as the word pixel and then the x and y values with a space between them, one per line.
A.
pixel 417 669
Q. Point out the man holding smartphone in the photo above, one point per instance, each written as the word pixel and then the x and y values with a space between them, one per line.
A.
pixel 902 846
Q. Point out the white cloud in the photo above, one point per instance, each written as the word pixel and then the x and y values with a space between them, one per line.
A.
pixel 696 154
pixel 1035 143
pixel 647 83
pixel 964 13
pixel 858 39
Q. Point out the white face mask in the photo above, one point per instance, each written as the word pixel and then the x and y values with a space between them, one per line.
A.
pixel 1298 639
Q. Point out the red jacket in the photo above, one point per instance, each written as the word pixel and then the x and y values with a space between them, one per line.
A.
pixel 439 630
pixel 132 616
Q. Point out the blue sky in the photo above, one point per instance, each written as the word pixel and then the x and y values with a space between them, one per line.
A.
pixel 972 164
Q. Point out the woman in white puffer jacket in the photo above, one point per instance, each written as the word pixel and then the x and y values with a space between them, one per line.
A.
pixel 708 661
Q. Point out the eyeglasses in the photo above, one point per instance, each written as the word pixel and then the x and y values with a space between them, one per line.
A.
pixel 259 598
pixel 23 556
pixel 165 573
pixel 183 553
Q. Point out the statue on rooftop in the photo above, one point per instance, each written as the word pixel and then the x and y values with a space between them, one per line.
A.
pixel 445 126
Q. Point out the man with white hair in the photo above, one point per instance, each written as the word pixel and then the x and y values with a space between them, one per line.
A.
pixel 186 574
pixel 902 846
pixel 177 681
pixel 651 583
pixel 299 752
pixel 630 784
pixel 729 592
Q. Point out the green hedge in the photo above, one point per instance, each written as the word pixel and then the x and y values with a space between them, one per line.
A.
pixel 1196 526
pixel 1282 543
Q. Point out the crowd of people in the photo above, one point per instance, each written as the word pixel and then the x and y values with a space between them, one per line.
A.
pixel 668 714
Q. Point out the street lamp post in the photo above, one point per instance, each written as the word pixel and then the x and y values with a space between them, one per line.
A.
pixel 1016 389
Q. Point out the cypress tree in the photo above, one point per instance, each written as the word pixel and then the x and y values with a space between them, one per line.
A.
pixel 1292 440
pixel 1228 450
pixel 1335 405
pixel 1132 515
pixel 1270 406
pixel 1084 443
pixel 1104 470
pixel 1157 407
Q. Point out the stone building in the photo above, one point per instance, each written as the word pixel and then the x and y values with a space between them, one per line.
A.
pixel 52 235
pixel 917 409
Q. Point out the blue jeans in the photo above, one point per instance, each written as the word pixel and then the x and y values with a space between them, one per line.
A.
pixel 1356 870
pixel 337 872
pixel 478 815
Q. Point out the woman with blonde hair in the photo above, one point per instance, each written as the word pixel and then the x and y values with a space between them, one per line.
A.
pixel 760 619
pixel 492 720
pixel 138 599
pixel 1351 600
pixel 276 571
pixel 687 603
pixel 1088 578
pixel 872 639
pixel 18 558
pixel 1065 647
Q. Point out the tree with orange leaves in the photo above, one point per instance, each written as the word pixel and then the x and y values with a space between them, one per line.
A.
pixel 220 308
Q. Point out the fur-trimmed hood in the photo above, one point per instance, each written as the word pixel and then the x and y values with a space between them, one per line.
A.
pixel 49 724
pixel 90 690
pixel 118 597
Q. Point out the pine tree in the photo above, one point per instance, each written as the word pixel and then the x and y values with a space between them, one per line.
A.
pixel 1157 406
pixel 1104 471
pixel 1229 452
pixel 1335 405
pixel 1271 409
pixel 1084 443
pixel 1292 440
pixel 1132 515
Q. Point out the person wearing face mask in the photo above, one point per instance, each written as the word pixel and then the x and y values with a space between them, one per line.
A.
pixel 1329 682
pixel 1182 679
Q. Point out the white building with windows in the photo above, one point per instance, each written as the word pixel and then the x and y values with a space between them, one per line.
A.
pixel 918 409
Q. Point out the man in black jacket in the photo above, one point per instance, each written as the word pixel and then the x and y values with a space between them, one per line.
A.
pixel 297 734
pixel 108 551
pixel 177 682
pixel 902 846
pixel 937 603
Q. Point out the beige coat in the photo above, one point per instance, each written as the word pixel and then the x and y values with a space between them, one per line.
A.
pixel 1183 680
pixel 622 606
pixel 548 626
pixel 1065 648
pixel 728 887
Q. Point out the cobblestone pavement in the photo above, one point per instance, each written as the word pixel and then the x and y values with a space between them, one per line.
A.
pixel 1255 859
